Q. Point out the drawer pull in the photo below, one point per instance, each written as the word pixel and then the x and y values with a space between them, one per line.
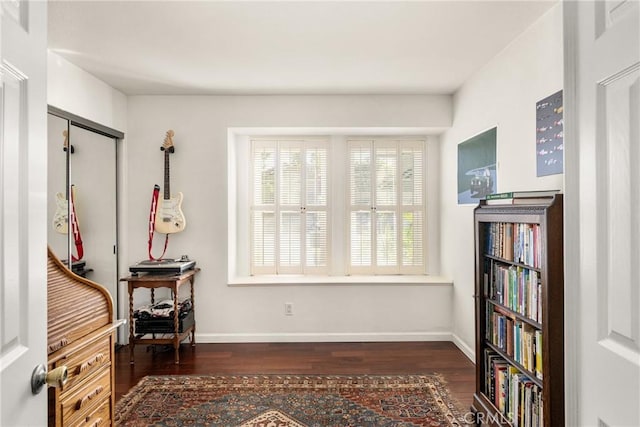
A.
pixel 58 345
pixel 96 423
pixel 97 359
pixel 88 397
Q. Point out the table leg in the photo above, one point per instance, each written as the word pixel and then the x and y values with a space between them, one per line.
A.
pixel 176 315
pixel 131 336
pixel 193 310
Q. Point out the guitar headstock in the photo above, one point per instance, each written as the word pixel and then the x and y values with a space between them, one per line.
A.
pixel 65 144
pixel 168 142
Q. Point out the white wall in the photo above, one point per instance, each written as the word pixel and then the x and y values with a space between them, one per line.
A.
pixel 199 169
pixel 503 94
pixel 74 90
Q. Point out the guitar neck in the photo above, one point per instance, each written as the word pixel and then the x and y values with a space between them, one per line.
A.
pixel 167 191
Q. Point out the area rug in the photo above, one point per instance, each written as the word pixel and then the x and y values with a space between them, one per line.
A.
pixel 289 401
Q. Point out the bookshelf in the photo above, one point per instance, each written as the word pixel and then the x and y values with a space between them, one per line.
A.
pixel 519 294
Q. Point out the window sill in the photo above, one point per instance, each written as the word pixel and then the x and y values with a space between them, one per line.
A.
pixel 277 280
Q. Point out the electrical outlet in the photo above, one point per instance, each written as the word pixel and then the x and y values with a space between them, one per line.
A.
pixel 288 309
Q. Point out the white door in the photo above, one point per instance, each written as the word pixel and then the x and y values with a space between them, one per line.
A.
pixel 602 125
pixel 23 210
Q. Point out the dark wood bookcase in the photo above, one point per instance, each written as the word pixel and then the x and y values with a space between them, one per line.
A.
pixel 519 294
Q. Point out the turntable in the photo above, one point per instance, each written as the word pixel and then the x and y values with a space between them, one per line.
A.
pixel 163 266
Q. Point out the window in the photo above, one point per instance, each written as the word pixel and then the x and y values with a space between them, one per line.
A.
pixel 289 209
pixel 386 207
pixel 335 206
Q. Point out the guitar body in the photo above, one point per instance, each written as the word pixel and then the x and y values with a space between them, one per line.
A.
pixel 169 217
pixel 61 217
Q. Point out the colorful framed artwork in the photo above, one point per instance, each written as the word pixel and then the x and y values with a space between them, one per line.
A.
pixel 550 135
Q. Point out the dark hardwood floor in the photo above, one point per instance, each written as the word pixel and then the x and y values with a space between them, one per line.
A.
pixel 383 358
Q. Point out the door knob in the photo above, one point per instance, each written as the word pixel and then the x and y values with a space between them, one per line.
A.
pixel 55 378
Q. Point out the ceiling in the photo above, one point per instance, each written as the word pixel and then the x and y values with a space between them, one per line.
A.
pixel 286 47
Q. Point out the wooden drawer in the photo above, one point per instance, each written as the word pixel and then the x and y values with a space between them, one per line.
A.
pixel 79 401
pixel 85 361
pixel 98 418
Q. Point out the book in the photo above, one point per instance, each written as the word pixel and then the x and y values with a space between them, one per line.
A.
pixel 538 344
pixel 522 194
pixel 516 201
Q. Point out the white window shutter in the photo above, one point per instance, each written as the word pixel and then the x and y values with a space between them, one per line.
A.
pixel 386 175
pixel 263 209
pixel 361 227
pixel 386 207
pixel 290 165
pixel 316 239
pixel 412 216
pixel 316 209
pixel 291 206
pixel 412 173
pixel 264 174
pixel 316 176
pixel 360 239
pixel 290 239
pixel 412 229
pixel 264 241
pixel 289 212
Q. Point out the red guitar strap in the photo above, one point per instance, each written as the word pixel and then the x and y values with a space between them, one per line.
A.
pixel 152 222
pixel 75 228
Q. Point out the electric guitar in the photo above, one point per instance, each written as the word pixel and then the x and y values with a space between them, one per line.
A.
pixel 61 221
pixel 61 216
pixel 169 218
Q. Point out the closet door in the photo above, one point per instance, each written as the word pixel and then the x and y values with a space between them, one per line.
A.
pixel 93 179
pixel 82 167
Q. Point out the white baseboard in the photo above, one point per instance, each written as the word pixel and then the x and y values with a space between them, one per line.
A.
pixel 468 351
pixel 323 337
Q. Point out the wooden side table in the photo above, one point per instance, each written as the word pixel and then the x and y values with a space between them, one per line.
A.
pixel 152 282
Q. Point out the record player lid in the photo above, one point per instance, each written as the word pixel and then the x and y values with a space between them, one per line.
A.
pixel 168 266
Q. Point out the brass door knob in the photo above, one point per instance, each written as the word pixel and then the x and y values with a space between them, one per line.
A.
pixel 54 378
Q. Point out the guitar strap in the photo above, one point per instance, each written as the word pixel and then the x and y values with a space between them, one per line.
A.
pixel 75 228
pixel 152 222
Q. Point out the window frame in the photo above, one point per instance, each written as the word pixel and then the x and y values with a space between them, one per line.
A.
pixel 239 199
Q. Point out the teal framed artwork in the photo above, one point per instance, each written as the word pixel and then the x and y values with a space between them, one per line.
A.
pixel 477 167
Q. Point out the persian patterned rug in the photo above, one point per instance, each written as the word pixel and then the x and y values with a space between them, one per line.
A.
pixel 289 401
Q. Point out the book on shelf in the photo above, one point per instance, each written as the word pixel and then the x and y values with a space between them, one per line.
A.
pixel 525 201
pixel 520 197
pixel 522 194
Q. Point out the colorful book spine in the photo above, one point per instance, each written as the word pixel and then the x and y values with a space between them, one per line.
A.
pixel 517 288
pixel 513 393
